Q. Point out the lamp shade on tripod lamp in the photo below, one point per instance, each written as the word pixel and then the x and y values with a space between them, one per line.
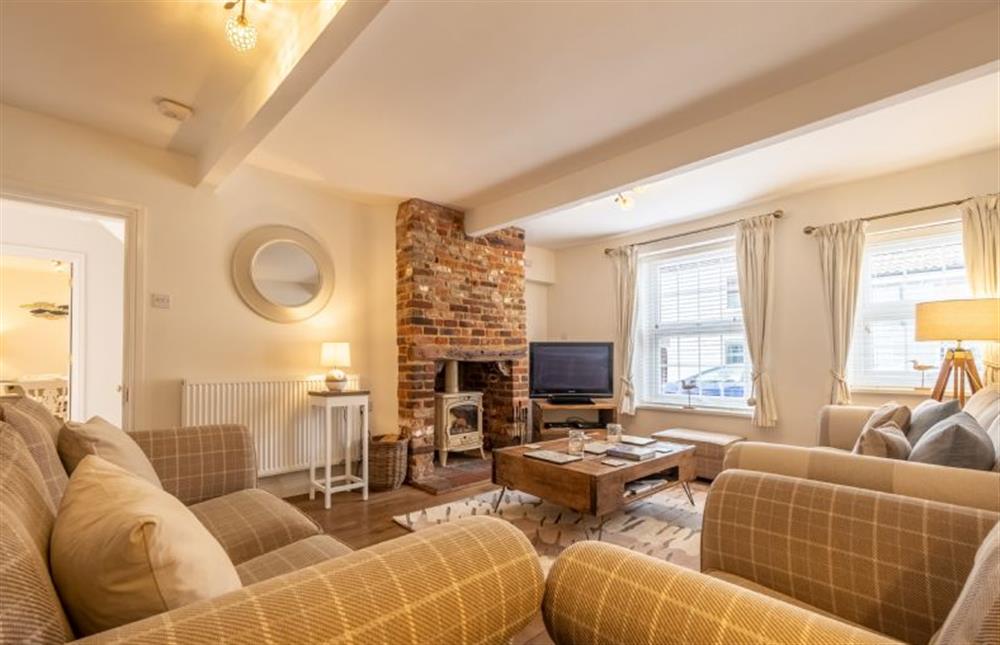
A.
pixel 335 356
pixel 958 320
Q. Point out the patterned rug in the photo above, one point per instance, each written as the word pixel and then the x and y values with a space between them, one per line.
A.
pixel 664 525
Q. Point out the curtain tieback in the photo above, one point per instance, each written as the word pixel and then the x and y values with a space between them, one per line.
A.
pixel 839 376
pixel 626 383
pixel 755 377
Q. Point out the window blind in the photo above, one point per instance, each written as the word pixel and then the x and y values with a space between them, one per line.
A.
pixel 692 346
pixel 901 269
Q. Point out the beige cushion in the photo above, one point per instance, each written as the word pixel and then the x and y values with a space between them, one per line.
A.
pixel 890 412
pixel 101 438
pixel 984 405
pixel 884 441
pixel 122 550
pixel 975 617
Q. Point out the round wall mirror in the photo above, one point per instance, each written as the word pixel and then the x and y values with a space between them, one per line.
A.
pixel 282 273
pixel 285 274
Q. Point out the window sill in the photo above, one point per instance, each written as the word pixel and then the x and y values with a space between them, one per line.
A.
pixel 746 413
pixel 888 389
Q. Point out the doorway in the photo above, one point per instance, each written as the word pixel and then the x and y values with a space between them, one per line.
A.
pixel 62 308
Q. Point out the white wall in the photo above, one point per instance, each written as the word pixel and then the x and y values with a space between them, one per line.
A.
pixel 581 301
pixel 100 244
pixel 540 275
pixel 190 234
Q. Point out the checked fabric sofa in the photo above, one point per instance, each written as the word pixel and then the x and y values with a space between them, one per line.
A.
pixel 792 560
pixel 477 580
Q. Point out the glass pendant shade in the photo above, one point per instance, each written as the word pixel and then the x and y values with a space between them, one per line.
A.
pixel 241 34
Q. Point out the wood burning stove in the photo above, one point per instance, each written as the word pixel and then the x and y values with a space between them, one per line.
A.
pixel 458 418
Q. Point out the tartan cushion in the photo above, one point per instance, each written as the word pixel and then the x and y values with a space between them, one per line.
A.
pixel 24 419
pixel 22 412
pixel 252 522
pixel 295 556
pixel 30 610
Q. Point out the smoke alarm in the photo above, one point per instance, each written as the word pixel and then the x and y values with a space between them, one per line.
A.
pixel 174 110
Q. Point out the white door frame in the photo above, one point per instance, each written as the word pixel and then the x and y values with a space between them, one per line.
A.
pixel 77 322
pixel 134 323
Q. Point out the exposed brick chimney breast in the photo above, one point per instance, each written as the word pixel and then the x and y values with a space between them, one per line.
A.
pixel 457 297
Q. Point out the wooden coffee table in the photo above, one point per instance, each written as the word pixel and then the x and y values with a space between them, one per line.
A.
pixel 588 486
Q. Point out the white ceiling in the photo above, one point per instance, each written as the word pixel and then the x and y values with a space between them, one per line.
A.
pixel 103 63
pixel 464 102
pixel 958 120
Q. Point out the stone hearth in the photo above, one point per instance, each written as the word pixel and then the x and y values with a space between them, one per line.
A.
pixel 457 298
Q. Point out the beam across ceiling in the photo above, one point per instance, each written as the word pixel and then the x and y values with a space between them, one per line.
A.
pixel 956 53
pixel 321 37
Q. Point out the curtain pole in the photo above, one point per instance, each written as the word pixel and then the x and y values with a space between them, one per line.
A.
pixel 809 230
pixel 778 214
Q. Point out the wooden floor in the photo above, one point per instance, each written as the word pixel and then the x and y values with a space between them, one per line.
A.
pixel 358 523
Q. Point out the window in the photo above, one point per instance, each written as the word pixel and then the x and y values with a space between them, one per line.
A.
pixel 901 269
pixel 691 339
pixel 735 353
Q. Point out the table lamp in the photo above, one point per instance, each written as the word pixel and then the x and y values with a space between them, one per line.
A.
pixel 958 320
pixel 335 356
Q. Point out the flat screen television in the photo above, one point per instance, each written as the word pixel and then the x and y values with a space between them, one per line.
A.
pixel 571 371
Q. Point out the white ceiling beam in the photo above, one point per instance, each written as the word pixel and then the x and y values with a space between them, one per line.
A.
pixel 953 54
pixel 281 84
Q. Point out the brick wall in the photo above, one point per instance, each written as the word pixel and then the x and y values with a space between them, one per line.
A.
pixel 457 298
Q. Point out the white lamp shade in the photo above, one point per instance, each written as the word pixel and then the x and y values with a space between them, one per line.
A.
pixel 335 355
pixel 975 319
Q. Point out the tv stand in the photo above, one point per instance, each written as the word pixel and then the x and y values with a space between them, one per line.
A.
pixel 606 409
pixel 570 399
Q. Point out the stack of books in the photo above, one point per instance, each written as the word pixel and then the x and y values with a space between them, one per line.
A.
pixel 632 453
pixel 640 486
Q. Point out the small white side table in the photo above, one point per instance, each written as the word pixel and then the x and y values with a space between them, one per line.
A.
pixel 327 401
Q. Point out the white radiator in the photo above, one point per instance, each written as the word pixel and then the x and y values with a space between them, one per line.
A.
pixel 276 413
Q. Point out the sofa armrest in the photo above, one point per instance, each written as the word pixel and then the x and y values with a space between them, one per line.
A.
pixel 979 489
pixel 890 563
pixel 201 462
pixel 840 425
pixel 602 593
pixel 475 580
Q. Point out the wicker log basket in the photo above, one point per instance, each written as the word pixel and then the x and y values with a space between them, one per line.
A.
pixel 387 462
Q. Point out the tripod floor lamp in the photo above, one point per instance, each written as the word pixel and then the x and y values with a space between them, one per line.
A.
pixel 958 320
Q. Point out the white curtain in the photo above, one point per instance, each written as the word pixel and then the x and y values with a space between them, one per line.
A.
pixel 841 252
pixel 755 266
pixel 626 268
pixel 981 242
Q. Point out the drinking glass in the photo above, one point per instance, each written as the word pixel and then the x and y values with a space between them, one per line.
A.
pixel 576 441
pixel 614 433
